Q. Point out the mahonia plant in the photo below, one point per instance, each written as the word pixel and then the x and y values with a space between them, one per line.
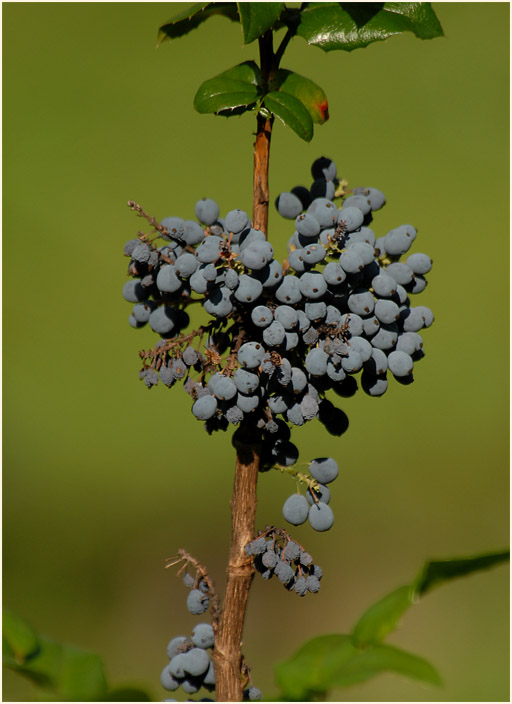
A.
pixel 277 336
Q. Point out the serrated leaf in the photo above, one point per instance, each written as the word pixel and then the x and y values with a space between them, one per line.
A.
pixel 438 571
pixel 18 636
pixel 376 659
pixel 235 89
pixel 348 26
pixel 184 22
pixel 382 617
pixel 309 93
pixel 257 17
pixel 292 112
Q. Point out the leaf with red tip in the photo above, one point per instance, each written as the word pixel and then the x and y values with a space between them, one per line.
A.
pixel 309 93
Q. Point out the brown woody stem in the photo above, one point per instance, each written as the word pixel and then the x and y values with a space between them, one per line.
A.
pixel 262 143
pixel 261 157
pixel 227 655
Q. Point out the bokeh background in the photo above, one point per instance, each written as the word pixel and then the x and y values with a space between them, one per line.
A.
pixel 103 479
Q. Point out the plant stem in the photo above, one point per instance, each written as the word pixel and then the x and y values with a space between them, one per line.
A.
pixel 262 143
pixel 284 43
pixel 227 655
pixel 261 157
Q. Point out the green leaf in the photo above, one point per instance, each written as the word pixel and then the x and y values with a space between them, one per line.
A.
pixel 309 93
pixel 43 667
pixel 349 26
pixel 74 675
pixel 69 673
pixel 81 676
pixel 310 669
pixel 376 659
pixel 333 661
pixel 292 112
pixel 234 90
pixel 18 636
pixel 382 618
pixel 438 571
pixel 190 19
pixel 339 660
pixel 257 17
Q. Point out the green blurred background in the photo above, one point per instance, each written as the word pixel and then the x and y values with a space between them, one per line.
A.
pixel 103 479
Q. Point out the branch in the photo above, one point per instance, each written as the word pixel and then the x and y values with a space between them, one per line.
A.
pixel 227 654
pixel 262 143
pixel 201 575
pixel 260 182
pixel 152 220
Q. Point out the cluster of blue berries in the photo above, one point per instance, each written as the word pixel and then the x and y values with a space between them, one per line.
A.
pixel 189 661
pixel 275 553
pixel 190 665
pixel 279 335
pixel 314 506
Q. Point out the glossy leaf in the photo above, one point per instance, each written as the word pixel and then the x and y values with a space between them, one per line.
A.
pixel 257 17
pixel 438 571
pixel 184 22
pixel 349 26
pixel 18 636
pixel 292 112
pixel 234 90
pixel 382 618
pixel 309 93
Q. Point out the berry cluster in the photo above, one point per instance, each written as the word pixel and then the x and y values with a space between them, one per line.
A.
pixel 189 662
pixel 297 508
pixel 190 665
pixel 279 335
pixel 275 553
